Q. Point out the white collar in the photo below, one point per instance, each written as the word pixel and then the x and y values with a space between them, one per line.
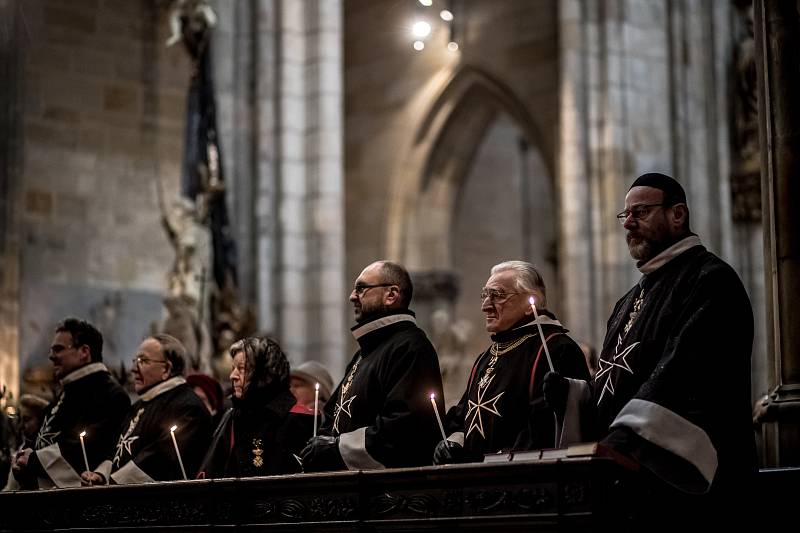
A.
pixel 83 371
pixel 382 322
pixel 670 253
pixel 162 387
pixel 543 320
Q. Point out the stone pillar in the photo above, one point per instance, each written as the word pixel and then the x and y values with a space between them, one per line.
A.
pixel 577 273
pixel 642 90
pixel 10 53
pixel 280 79
pixel 311 187
pixel 614 90
pixel 777 40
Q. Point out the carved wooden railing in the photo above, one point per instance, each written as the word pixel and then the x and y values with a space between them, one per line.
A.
pixel 582 494
pixel 474 497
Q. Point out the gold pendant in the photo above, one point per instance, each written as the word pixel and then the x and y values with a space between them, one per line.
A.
pixel 258 451
pixel 637 308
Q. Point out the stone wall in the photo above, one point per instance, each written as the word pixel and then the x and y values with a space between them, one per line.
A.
pixel 10 143
pixel 102 114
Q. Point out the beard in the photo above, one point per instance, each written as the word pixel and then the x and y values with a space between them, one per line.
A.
pixel 643 249
pixel 369 312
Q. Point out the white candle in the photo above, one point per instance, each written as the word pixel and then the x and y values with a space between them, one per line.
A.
pixel 532 300
pixel 83 447
pixel 438 418
pixel 177 451
pixel 316 407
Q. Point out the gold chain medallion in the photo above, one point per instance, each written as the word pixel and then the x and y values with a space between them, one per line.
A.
pixel 258 451
pixel 498 349
pixel 637 308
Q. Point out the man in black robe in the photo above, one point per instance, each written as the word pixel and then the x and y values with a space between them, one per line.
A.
pixel 90 401
pixel 145 450
pixel 380 415
pixel 502 407
pixel 672 393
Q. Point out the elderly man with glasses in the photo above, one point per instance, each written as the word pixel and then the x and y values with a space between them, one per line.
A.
pixel 149 442
pixel 502 407
pixel 89 400
pixel 672 393
pixel 380 415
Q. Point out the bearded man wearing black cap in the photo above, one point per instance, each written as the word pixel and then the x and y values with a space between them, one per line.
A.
pixel 672 393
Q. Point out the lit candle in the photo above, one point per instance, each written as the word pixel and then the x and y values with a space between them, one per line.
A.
pixel 316 407
pixel 177 451
pixel 83 447
pixel 438 418
pixel 532 300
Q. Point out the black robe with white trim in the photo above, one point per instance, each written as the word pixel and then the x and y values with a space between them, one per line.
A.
pixel 90 400
pixel 510 412
pixel 145 451
pixel 386 418
pixel 674 392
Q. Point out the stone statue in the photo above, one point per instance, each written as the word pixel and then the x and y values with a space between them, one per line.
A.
pixel 183 322
pixel 745 172
pixel 189 16
pixel 191 242
pixel 203 297
pixel 231 320
pixel 746 102
pixel 187 300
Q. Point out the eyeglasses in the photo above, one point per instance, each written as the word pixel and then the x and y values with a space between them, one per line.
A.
pixel 139 361
pixel 58 348
pixel 638 212
pixel 361 288
pixel 496 296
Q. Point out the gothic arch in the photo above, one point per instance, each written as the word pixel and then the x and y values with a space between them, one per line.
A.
pixel 426 189
pixel 474 86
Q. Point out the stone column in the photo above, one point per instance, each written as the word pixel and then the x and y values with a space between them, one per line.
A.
pixel 280 106
pixel 614 91
pixel 577 273
pixel 10 136
pixel 777 39
pixel 311 191
pixel 641 91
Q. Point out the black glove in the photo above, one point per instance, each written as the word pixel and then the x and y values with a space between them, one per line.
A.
pixel 27 475
pixel 322 454
pixel 449 452
pixel 555 388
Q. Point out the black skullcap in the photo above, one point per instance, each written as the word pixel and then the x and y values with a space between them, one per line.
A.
pixel 673 192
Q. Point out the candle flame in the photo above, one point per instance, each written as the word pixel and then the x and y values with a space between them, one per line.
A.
pixel 83 433
pixel 433 397
pixel 173 428
pixel 532 300
pixel 316 386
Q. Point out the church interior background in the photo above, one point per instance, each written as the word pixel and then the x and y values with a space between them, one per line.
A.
pixel 349 132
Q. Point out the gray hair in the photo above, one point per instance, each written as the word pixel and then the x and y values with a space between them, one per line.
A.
pixel 528 279
pixel 174 352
